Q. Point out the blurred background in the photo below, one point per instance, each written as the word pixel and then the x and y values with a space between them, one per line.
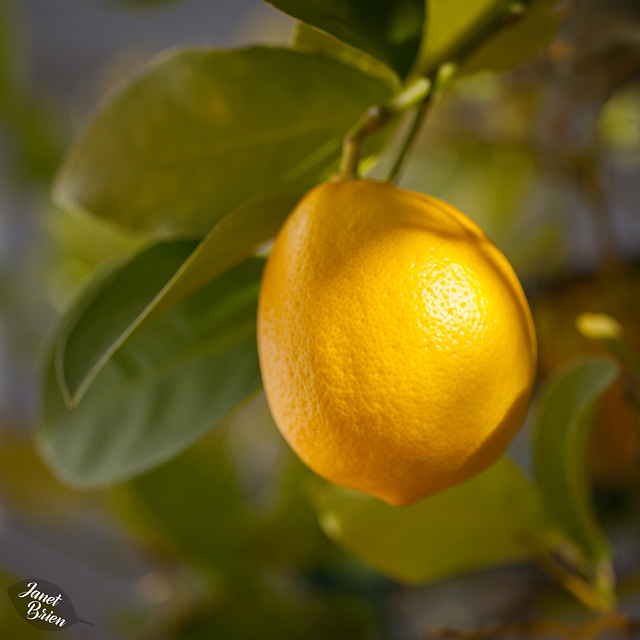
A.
pixel 220 542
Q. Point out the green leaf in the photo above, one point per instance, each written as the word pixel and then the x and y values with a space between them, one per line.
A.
pixel 118 304
pixel 167 386
pixel 518 43
pixel 100 320
pixel 201 132
pixel 479 523
pixel 561 446
pixel 307 38
pixel 388 30
pixel 449 24
pixel 169 503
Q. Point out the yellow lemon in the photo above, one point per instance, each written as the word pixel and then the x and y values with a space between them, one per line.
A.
pixel 396 345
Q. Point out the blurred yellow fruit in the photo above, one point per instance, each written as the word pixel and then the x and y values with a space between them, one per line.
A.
pixel 396 345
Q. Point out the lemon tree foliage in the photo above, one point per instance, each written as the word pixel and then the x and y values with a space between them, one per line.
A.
pixel 154 504
pixel 561 447
pixel 165 388
pixel 489 520
pixel 307 38
pixel 101 317
pixel 389 31
pixel 112 308
pixel 518 43
pixel 202 131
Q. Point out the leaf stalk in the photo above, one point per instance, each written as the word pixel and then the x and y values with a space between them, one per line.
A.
pixel 419 92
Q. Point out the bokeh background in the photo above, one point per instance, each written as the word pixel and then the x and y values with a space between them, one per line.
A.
pixel 221 542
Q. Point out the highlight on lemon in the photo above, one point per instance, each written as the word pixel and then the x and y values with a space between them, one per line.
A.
pixel 396 345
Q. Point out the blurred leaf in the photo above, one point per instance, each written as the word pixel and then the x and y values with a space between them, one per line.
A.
pixel 193 503
pixel 37 139
pixel 307 38
pixel 561 449
pixel 29 489
pixel 477 524
pixel 82 244
pixel 201 132
pixel 9 78
pixel 31 131
pixel 518 43
pixel 269 615
pixel 152 282
pixel 294 520
pixel 449 23
pixel 164 389
pixel 389 30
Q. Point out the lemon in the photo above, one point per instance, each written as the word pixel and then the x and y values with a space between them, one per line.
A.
pixel 396 345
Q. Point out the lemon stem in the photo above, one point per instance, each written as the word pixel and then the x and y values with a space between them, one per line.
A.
pixel 377 117
pixel 416 125
pixel 426 84
pixel 442 77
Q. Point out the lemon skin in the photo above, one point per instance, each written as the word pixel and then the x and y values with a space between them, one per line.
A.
pixel 396 345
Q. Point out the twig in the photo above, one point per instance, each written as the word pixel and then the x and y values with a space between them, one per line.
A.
pixel 419 91
pixel 609 622
pixel 374 119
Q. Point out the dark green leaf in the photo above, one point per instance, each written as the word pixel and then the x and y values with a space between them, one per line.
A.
pixel 202 131
pixel 561 448
pixel 193 504
pixel 389 30
pixel 479 523
pixel 309 39
pixel 116 305
pixel 166 387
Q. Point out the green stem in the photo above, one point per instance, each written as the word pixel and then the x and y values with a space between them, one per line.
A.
pixel 442 77
pixel 416 125
pixel 573 583
pixel 597 593
pixel 374 119
pixel 421 89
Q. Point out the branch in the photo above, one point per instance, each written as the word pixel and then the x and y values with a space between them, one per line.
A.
pixel 615 621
